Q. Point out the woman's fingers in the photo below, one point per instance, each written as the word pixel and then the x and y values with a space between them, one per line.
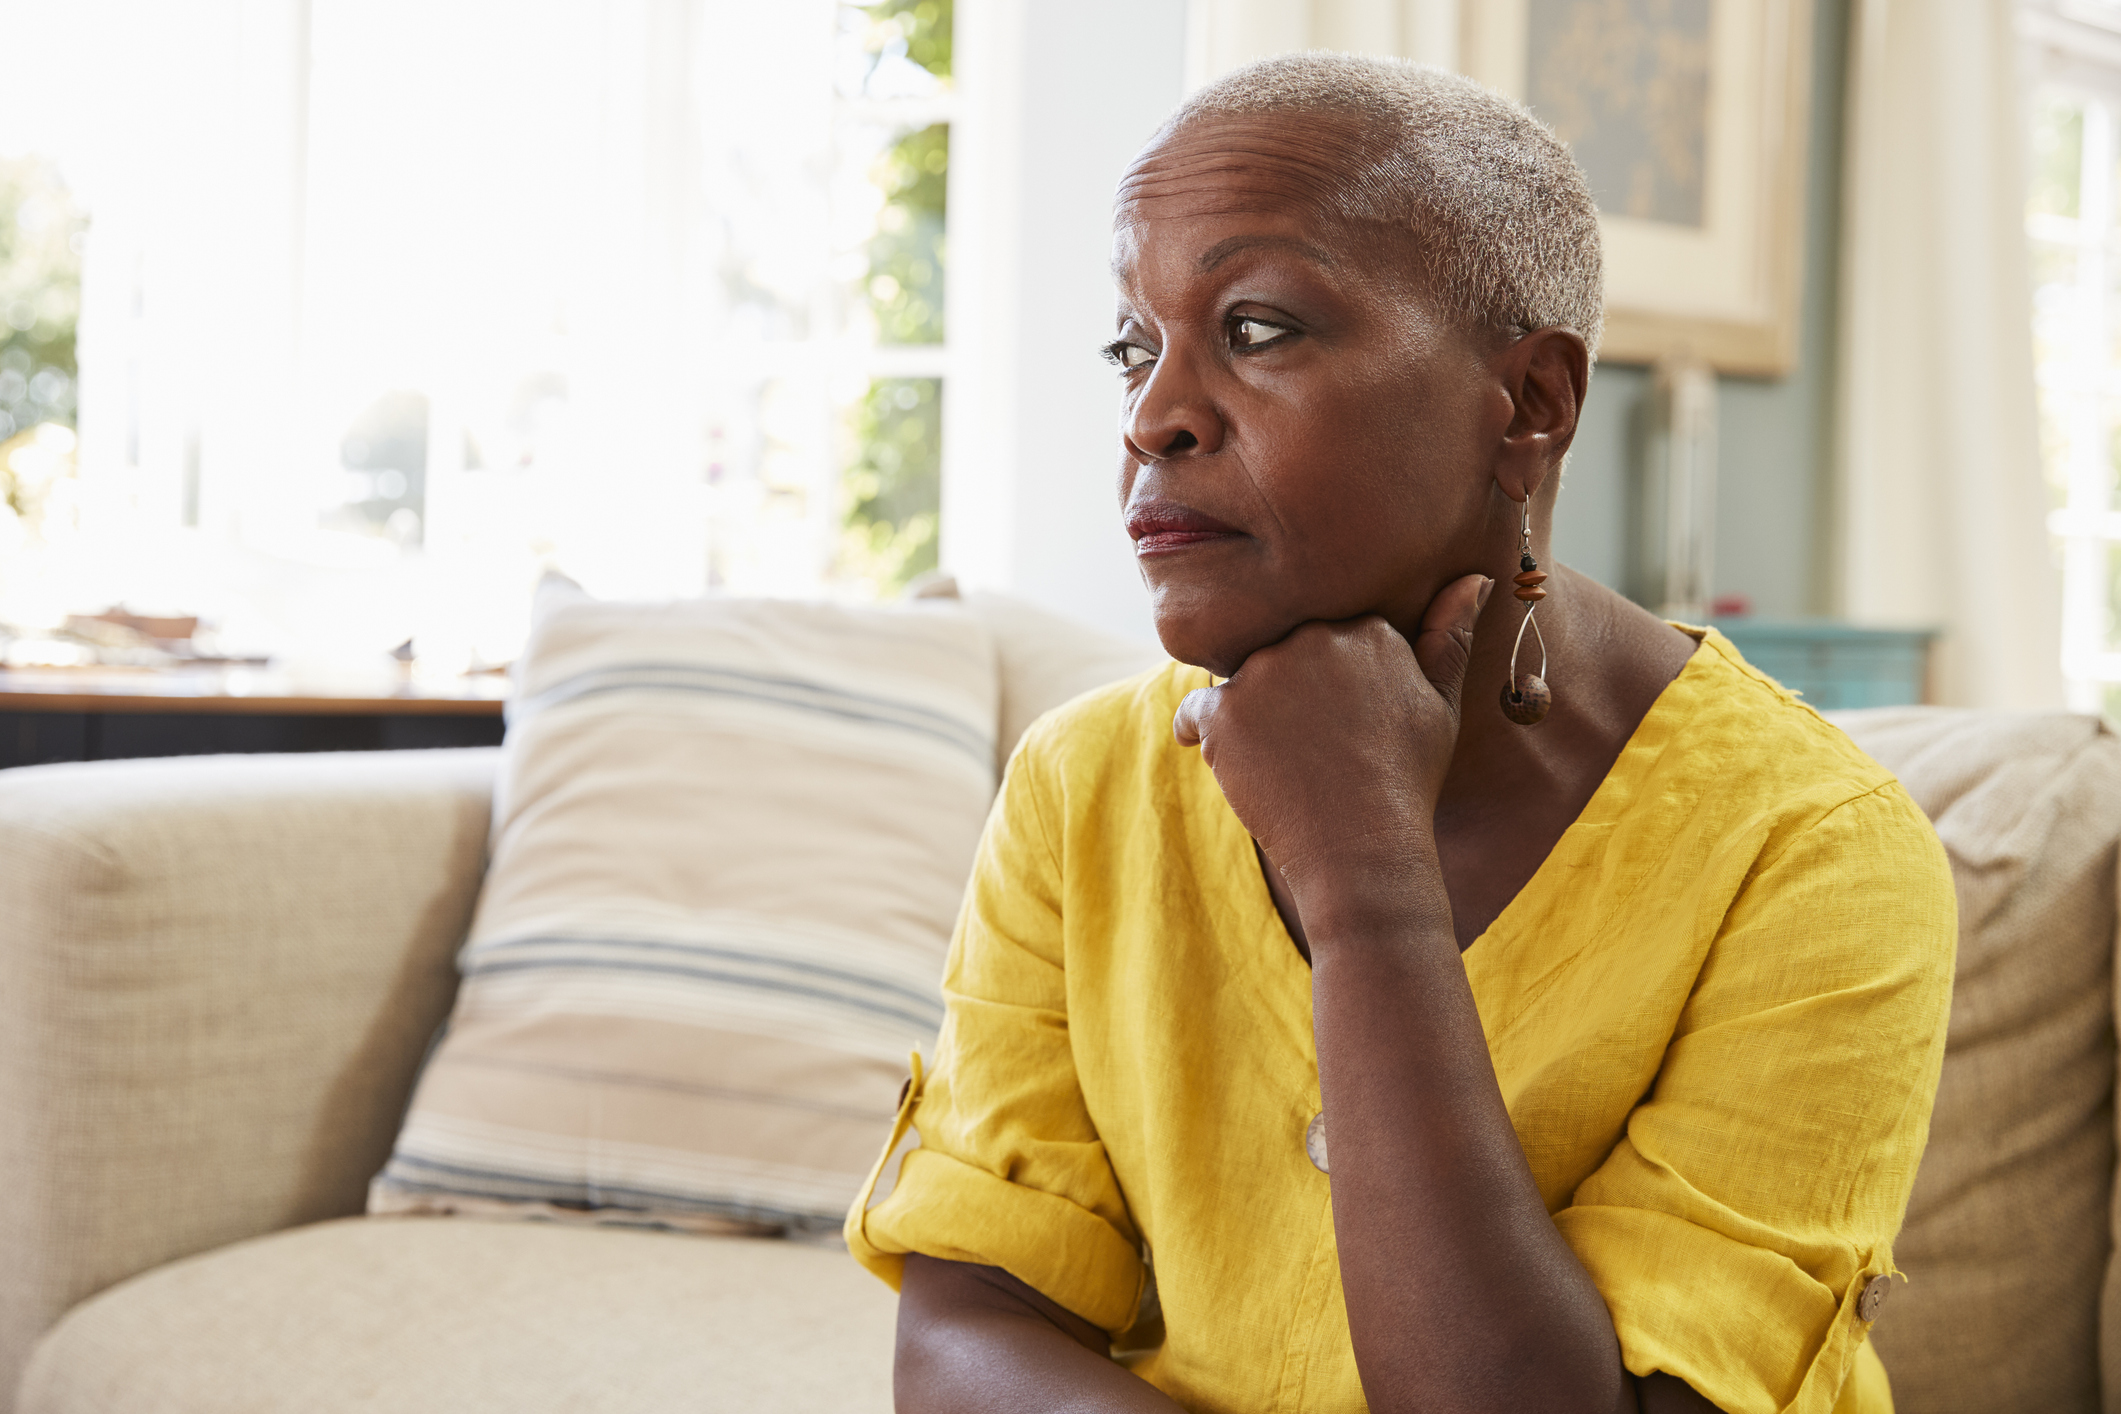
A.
pixel 1191 722
pixel 1323 735
pixel 1445 644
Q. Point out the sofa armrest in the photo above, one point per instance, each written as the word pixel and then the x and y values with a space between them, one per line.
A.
pixel 218 978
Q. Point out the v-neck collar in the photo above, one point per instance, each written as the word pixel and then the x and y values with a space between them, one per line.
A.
pixel 1587 835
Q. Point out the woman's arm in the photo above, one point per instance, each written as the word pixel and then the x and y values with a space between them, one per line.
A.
pixel 974 1339
pixel 1461 1293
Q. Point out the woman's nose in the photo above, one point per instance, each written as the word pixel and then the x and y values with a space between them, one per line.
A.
pixel 1173 417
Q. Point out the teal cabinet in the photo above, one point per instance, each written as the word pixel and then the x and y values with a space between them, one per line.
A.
pixel 1835 664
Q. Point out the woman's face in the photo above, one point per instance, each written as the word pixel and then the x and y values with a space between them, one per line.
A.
pixel 1303 435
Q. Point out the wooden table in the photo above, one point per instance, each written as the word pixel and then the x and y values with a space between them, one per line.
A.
pixel 95 714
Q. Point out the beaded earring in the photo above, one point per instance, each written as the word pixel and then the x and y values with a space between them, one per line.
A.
pixel 1525 700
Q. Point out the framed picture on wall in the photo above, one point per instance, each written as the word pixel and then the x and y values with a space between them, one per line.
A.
pixel 1690 118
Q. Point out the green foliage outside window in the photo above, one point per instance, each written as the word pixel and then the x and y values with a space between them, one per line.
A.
pixel 926 27
pixel 893 483
pixel 892 487
pixel 40 295
pixel 921 30
pixel 906 254
pixel 41 233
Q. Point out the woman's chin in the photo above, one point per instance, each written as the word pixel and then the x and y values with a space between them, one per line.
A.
pixel 1218 637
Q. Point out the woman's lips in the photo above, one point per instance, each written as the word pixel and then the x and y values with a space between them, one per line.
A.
pixel 1161 528
pixel 1168 540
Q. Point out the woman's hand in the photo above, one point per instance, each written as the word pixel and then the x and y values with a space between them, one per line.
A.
pixel 1332 744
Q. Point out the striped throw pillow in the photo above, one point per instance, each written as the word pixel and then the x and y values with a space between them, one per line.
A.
pixel 729 843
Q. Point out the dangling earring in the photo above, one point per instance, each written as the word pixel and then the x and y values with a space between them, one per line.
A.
pixel 1525 700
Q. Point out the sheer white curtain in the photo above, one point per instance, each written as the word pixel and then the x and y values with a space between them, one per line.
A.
pixel 1941 499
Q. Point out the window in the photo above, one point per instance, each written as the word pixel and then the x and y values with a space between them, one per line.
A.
pixel 2073 224
pixel 387 307
pixel 41 236
pixel 895 101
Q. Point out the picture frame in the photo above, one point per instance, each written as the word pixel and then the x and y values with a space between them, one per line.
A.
pixel 1692 118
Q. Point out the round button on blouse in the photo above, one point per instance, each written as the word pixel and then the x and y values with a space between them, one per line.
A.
pixel 1874 1293
pixel 1315 1141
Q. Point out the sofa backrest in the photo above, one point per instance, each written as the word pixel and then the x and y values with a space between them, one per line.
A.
pixel 2007 1239
pixel 1046 659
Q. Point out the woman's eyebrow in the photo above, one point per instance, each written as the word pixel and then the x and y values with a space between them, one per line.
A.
pixel 1223 250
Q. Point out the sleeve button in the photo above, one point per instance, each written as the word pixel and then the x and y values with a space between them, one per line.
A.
pixel 1873 1299
pixel 1315 1141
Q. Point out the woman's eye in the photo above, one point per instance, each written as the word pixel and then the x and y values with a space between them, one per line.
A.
pixel 1251 333
pixel 1128 355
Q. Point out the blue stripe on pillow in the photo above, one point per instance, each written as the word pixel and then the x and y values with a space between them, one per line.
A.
pixel 783 692
pixel 487 1183
pixel 923 998
pixel 929 1022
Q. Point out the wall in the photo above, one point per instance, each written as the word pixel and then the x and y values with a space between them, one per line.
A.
pixel 1059 107
pixel 1774 436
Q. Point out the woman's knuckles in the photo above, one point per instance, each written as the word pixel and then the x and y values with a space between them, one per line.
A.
pixel 1333 725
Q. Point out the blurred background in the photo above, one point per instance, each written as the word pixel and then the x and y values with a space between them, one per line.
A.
pixel 335 323
pixel 326 326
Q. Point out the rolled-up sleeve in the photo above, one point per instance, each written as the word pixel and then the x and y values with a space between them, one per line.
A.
pixel 1760 1183
pixel 1009 1170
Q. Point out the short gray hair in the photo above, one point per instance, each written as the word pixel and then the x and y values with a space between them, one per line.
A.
pixel 1499 209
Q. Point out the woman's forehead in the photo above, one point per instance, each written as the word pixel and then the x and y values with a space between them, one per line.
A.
pixel 1219 186
pixel 1301 164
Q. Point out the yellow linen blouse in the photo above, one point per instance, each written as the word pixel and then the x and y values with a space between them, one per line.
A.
pixel 1716 1011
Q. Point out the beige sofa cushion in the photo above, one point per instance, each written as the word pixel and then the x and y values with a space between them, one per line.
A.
pixel 395 1314
pixel 217 977
pixel 730 837
pixel 1046 660
pixel 2006 1239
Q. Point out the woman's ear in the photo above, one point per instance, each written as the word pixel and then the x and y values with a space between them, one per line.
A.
pixel 1546 374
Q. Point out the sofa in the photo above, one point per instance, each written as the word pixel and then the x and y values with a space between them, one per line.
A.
pixel 219 977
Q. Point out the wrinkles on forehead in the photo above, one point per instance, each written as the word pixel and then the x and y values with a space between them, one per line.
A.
pixel 1307 166
pixel 1217 167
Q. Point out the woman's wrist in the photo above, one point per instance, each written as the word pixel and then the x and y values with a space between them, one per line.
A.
pixel 1387 894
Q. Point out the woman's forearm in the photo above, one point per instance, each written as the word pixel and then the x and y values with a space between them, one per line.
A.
pixel 972 1340
pixel 1461 1293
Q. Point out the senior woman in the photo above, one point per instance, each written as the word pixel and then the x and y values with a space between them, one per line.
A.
pixel 1375 1039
